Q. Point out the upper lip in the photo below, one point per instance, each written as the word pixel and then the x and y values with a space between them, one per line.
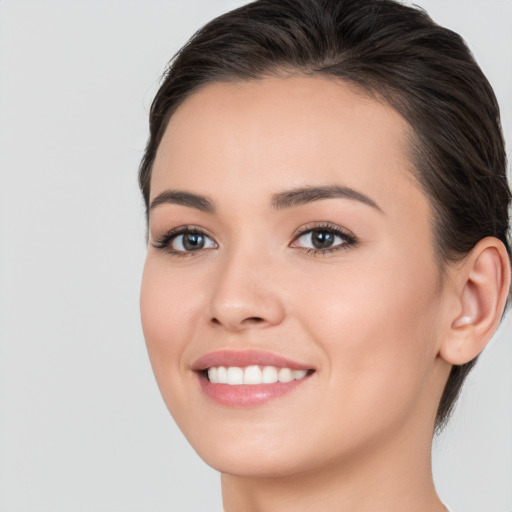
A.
pixel 245 358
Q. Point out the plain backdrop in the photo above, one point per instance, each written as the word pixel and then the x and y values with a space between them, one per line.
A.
pixel 82 424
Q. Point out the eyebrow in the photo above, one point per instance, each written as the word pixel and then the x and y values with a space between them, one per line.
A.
pixel 184 199
pixel 304 195
pixel 282 200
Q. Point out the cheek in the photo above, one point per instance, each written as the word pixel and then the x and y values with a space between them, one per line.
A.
pixel 376 325
pixel 168 304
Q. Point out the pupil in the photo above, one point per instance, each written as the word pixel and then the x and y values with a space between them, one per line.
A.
pixel 193 241
pixel 322 239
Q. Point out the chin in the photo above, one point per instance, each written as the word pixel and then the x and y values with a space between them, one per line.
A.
pixel 252 465
pixel 255 452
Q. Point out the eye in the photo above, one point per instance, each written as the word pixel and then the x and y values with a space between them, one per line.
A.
pixel 323 239
pixel 185 240
pixel 191 241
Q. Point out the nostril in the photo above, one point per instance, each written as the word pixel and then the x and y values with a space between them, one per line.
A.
pixel 254 320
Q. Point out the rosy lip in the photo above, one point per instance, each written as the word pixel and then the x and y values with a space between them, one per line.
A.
pixel 246 395
pixel 246 358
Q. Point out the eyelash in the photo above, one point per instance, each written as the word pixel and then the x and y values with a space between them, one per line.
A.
pixel 349 240
pixel 164 242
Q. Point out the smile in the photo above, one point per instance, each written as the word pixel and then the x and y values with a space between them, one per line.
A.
pixel 252 375
pixel 248 378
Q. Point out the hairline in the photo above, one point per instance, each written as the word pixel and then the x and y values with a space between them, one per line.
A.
pixel 413 147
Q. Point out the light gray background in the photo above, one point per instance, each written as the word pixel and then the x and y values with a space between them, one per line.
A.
pixel 82 425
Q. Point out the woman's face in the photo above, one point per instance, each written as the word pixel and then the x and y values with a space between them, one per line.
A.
pixel 286 231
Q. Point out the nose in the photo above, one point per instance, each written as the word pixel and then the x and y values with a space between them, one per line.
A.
pixel 246 295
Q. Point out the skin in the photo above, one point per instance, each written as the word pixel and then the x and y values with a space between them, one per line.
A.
pixel 377 319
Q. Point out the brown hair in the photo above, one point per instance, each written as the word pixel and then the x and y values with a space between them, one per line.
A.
pixel 394 52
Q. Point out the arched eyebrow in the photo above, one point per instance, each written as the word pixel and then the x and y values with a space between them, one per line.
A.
pixel 184 199
pixel 304 195
pixel 280 201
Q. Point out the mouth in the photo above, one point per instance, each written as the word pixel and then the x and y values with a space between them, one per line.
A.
pixel 248 378
pixel 252 375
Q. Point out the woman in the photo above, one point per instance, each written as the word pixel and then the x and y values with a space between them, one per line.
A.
pixel 327 203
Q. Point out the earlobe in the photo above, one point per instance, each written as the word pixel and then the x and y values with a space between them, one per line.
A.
pixel 462 320
pixel 482 284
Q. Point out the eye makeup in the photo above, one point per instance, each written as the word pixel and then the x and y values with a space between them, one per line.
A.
pixel 316 238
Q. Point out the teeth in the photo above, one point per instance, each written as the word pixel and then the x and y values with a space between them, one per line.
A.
pixel 222 375
pixel 299 374
pixel 253 375
pixel 269 375
pixel 236 376
pixel 285 375
pixel 213 375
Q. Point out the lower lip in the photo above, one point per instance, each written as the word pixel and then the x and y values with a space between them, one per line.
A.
pixel 248 395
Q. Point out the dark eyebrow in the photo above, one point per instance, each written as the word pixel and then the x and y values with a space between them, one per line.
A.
pixel 183 198
pixel 304 195
pixel 280 201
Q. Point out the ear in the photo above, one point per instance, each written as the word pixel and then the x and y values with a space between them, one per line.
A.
pixel 481 286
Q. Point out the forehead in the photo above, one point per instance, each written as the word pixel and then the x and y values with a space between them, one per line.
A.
pixel 266 135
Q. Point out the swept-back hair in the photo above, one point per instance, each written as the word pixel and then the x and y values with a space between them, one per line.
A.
pixel 395 53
